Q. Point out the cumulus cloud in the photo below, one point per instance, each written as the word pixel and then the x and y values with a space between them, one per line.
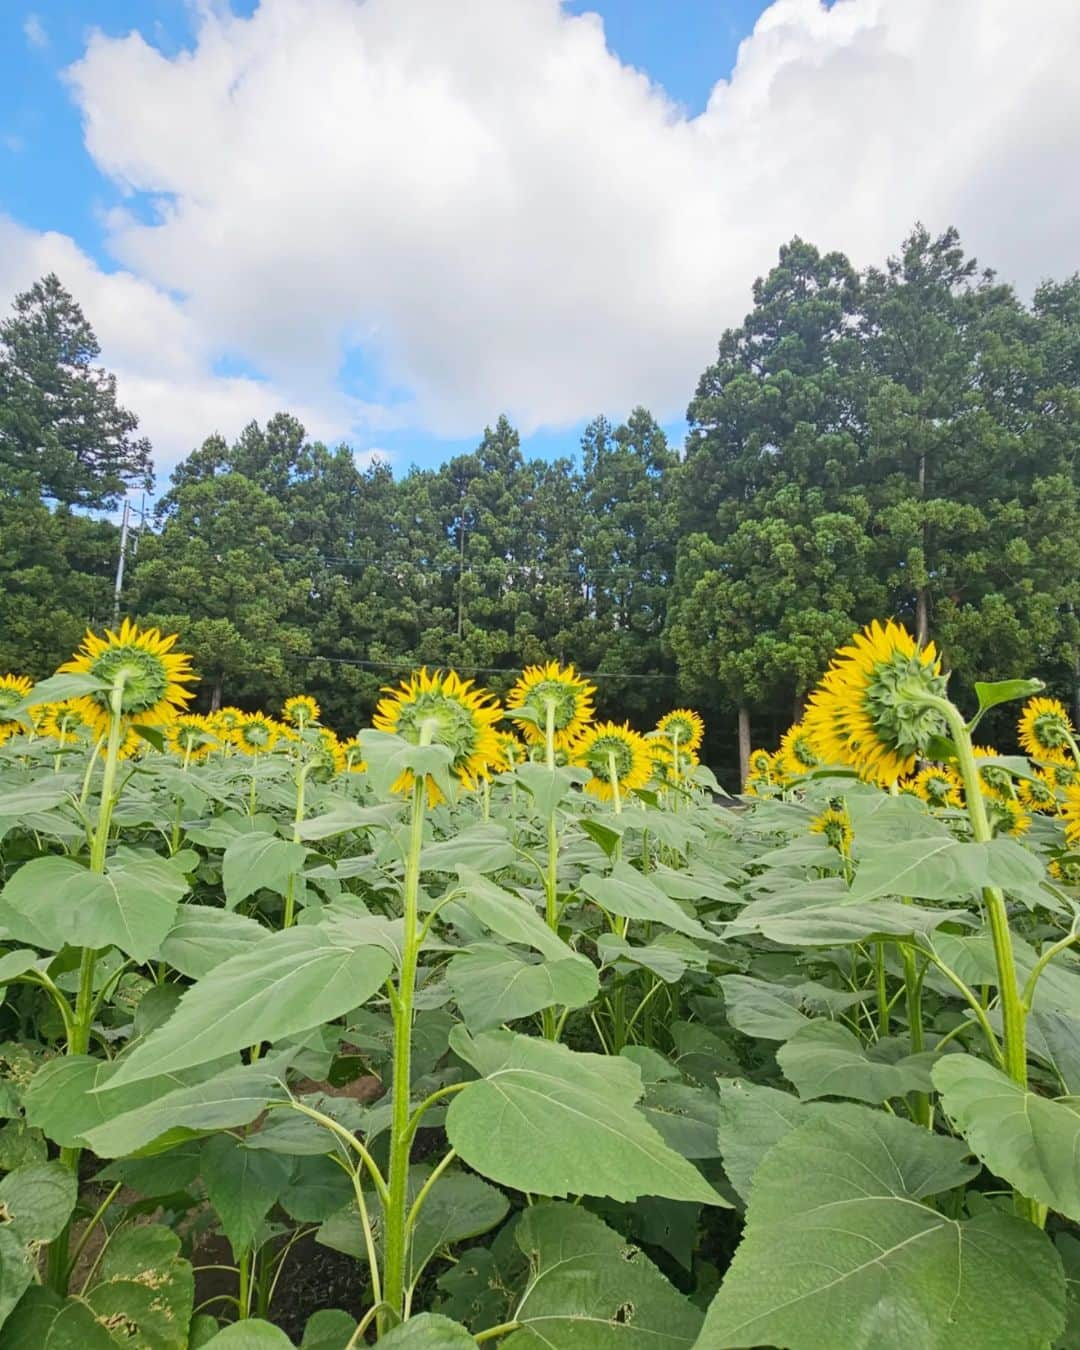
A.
pixel 163 360
pixel 497 213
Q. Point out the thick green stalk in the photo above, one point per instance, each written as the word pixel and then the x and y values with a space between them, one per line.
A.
pixel 882 989
pixel 396 1209
pixel 551 872
pixel 1014 1022
pixel 79 1037
pixel 288 917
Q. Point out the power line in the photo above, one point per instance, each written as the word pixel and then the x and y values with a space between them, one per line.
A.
pixel 411 663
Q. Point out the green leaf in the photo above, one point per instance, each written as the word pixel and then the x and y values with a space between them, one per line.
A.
pixel 328 1329
pixel 45 1321
pixel 492 985
pixel 14 964
pixel 289 982
pixel 146 1287
pixel 132 906
pixel 549 1120
pixel 242 1185
pixel 548 788
pixel 1029 1140
pixel 428 1331
pixel 631 895
pixel 591 1289
pixel 1005 691
pixel 825 1059
pixel 250 1334
pixel 484 847
pixel 348 815
pixel 762 1009
pixel 946 869
pixel 202 938
pixel 37 1201
pixel 685 1117
pixel 259 861
pixel 509 915
pixel 840 1250
pixel 41 795
pixel 317 1187
pixel 751 1119
pixel 233 1097
pixel 824 914
pixel 57 688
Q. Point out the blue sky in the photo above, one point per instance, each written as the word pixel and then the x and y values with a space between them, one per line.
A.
pixel 49 182
pixel 400 218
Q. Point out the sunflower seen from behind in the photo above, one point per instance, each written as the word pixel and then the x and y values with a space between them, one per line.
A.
pixel 938 786
pixel 555 691
pixel 154 676
pixel 442 709
pixel 617 758
pixel 683 727
pixel 13 689
pixel 868 711
pixel 255 734
pixel 301 711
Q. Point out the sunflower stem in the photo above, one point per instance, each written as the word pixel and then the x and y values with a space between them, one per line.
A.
pixel 1013 1014
pixel 551 871
pixel 79 1037
pixel 289 916
pixel 396 1208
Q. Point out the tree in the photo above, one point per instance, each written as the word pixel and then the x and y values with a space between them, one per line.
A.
pixel 63 436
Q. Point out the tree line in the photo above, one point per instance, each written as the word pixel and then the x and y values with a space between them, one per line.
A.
pixel 897 441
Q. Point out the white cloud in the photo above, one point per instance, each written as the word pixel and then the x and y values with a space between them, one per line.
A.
pixel 501 215
pixel 163 361
pixel 34 31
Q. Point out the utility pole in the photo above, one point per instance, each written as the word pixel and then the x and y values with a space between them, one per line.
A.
pixel 120 563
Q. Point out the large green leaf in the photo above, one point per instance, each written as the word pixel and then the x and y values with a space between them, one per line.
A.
pixel 328 1329
pixel 824 913
pixel 287 983
pixel 253 1333
pixel 508 914
pixel 492 985
pixel 751 1119
pixel 45 1321
pixel 825 1059
pixel 841 1250
pixel 259 861
pixel 233 1097
pixel 348 815
pixel 590 1289
pixel 143 1280
pixel 242 1185
pixel 946 869
pixel 202 937
pixel 762 1009
pixel 1004 691
pixel 1031 1141
pixel 428 1331
pixel 132 906
pixel 631 895
pixel 549 1120
pixel 37 1201
pixel 485 847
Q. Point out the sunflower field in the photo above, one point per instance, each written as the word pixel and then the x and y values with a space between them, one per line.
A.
pixel 510 1016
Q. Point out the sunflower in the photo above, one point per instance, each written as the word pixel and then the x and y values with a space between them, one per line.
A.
pixel 154 676
pixel 760 764
pixel 1038 793
pixel 326 755
pixel 64 721
pixel 353 756
pixel 190 736
pixel 301 710
pixel 796 755
pixel 835 824
pixel 13 689
pixel 1063 775
pixel 661 758
pixel 1007 816
pixel 559 687
pixel 256 734
pixel 512 751
pixel 1045 730
pixel 682 727
pixel 606 745
pixel 454 714
pixel 225 721
pixel 866 712
pixel 1064 869
pixel 995 781
pixel 937 786
pixel 1070 813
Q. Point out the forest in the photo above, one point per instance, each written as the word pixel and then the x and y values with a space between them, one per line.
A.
pixel 901 440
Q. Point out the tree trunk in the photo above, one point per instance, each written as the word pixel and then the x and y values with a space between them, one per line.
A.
pixel 744 744
pixel 922 618
pixel 798 707
pixel 215 696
